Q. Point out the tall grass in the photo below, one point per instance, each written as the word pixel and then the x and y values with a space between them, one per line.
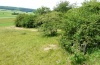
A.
pixel 27 48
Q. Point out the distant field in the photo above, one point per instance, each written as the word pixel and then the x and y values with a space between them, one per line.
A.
pixel 8 13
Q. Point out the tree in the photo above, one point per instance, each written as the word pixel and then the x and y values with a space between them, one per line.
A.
pixel 42 10
pixel 92 5
pixel 82 28
pixel 63 6
pixel 81 31
pixel 50 23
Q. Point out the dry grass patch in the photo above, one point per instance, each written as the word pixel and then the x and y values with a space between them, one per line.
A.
pixel 50 47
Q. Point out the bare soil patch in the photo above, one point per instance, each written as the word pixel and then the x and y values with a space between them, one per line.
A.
pixel 50 46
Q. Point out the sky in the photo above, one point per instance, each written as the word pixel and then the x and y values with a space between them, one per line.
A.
pixel 34 4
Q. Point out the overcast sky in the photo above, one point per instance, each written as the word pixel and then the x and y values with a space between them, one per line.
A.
pixel 34 3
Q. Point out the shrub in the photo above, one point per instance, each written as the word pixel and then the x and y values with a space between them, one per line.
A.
pixel 25 20
pixel 14 13
pixel 42 10
pixel 77 59
pixel 82 30
pixel 19 19
pixel 50 23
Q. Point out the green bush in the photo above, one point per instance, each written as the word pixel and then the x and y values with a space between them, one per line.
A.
pixel 77 59
pixel 18 20
pixel 82 28
pixel 81 31
pixel 25 20
pixel 50 23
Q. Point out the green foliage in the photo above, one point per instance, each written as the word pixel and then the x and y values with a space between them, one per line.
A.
pixel 19 19
pixel 24 20
pixel 50 23
pixel 92 6
pixel 82 29
pixel 42 10
pixel 39 13
pixel 65 44
pixel 39 20
pixel 77 59
pixel 63 6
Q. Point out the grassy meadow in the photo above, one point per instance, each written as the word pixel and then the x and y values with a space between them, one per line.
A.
pixel 27 47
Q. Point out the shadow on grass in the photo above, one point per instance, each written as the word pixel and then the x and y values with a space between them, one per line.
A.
pixel 54 35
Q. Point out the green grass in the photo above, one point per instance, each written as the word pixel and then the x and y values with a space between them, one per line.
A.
pixel 27 48
pixel 6 22
pixel 24 47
